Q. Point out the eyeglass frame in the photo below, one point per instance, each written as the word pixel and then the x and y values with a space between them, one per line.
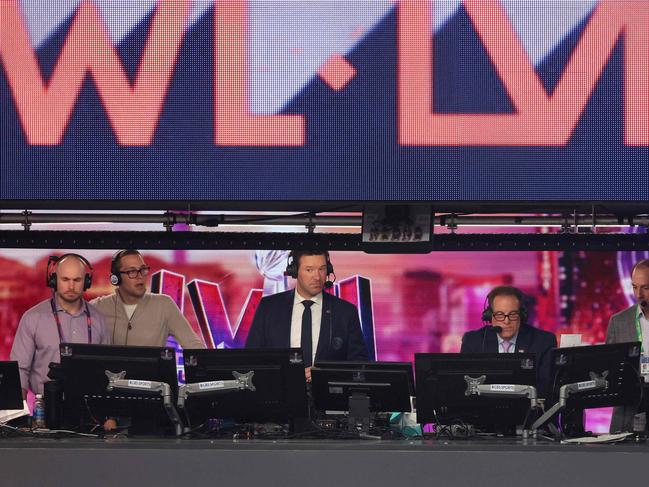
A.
pixel 500 316
pixel 133 273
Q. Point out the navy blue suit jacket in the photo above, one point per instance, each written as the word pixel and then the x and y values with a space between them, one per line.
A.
pixel 340 337
pixel 529 339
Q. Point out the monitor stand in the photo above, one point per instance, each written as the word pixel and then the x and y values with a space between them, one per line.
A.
pixel 359 413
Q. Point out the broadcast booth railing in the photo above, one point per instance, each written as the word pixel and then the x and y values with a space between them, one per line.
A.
pixel 588 377
pixel 465 394
pixel 362 390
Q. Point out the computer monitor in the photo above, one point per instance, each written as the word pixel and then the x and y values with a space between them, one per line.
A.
pixel 387 385
pixel 10 390
pixel 87 402
pixel 619 361
pixel 278 379
pixel 442 387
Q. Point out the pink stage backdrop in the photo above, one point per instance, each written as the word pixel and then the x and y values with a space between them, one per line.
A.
pixel 419 303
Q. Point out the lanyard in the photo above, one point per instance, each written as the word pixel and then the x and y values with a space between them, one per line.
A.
pixel 58 321
pixel 638 328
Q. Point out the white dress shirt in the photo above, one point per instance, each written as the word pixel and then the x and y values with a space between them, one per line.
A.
pixel 512 346
pixel 296 322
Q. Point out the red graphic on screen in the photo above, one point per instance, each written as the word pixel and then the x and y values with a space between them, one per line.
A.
pixel 541 118
pixel 213 317
pixel 337 72
pixel 133 110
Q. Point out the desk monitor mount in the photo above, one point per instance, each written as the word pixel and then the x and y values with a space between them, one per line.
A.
pixel 476 386
pixel 596 382
pixel 117 381
pixel 359 413
pixel 241 382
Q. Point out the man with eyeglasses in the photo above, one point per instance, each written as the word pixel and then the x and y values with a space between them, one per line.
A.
pixel 135 317
pixel 508 332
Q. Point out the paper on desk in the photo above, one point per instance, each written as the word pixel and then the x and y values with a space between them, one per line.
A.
pixel 607 438
pixel 9 414
pixel 570 340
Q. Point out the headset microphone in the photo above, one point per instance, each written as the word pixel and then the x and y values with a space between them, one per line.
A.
pixel 292 267
pixel 644 304
pixel 53 262
pixel 496 328
pixel 328 283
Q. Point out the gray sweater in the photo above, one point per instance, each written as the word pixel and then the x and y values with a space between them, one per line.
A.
pixel 155 318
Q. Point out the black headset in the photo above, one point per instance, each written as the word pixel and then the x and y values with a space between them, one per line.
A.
pixel 52 262
pixel 115 275
pixel 488 313
pixel 292 265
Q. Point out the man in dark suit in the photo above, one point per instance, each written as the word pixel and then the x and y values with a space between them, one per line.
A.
pixel 631 325
pixel 509 333
pixel 324 326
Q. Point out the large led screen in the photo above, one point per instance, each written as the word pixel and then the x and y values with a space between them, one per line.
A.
pixel 327 100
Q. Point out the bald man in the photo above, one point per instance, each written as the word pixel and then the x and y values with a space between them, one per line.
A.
pixel 65 317
pixel 632 325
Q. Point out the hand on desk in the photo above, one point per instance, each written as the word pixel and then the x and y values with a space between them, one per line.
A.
pixel 110 424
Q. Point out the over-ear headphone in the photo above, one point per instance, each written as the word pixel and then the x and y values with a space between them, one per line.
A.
pixel 292 265
pixel 115 275
pixel 487 313
pixel 52 262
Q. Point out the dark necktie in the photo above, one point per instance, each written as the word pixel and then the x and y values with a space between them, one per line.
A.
pixel 305 342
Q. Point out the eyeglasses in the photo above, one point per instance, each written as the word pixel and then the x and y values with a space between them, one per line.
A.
pixel 132 273
pixel 512 316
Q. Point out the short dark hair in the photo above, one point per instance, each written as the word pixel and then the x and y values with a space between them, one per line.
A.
pixel 296 255
pixel 117 259
pixel 505 291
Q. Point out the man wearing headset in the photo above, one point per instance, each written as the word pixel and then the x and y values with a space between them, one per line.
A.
pixel 65 317
pixel 324 326
pixel 135 317
pixel 632 325
pixel 508 332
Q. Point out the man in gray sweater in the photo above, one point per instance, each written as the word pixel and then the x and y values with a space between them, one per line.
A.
pixel 632 325
pixel 135 317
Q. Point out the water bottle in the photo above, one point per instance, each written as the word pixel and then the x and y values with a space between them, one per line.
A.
pixel 38 418
pixel 640 427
